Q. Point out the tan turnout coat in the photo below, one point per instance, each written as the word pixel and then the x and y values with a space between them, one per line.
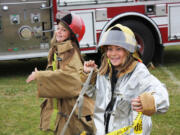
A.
pixel 64 85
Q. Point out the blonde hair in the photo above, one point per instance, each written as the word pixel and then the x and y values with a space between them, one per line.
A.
pixel 53 40
pixel 106 67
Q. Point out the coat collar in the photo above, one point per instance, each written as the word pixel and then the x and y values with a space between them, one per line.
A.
pixel 64 46
pixel 129 69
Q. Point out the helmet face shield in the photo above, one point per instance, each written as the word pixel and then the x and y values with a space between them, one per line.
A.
pixel 119 38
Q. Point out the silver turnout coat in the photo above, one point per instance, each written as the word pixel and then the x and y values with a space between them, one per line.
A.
pixel 128 86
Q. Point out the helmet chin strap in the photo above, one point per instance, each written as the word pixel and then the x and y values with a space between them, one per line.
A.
pixel 109 62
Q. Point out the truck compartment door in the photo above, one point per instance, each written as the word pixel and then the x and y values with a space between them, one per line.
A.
pixel 174 21
pixel 89 38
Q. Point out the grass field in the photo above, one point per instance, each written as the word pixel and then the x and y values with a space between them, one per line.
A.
pixel 19 106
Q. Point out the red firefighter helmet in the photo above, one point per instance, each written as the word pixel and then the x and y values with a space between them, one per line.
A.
pixel 74 22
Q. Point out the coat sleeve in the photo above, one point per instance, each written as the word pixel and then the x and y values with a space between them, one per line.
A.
pixel 60 83
pixel 160 95
pixel 149 83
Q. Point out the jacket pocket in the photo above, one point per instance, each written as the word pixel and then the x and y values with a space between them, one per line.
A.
pixel 122 107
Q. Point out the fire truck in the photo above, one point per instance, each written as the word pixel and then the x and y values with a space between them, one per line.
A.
pixel 26 26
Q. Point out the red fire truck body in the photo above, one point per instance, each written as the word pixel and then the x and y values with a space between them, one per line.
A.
pixel 156 24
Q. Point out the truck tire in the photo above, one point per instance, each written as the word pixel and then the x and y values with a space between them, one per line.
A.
pixel 144 38
pixel 94 56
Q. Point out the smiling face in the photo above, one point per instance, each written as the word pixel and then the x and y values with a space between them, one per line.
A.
pixel 116 55
pixel 61 33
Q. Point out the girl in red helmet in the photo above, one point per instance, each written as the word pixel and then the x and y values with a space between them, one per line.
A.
pixel 61 83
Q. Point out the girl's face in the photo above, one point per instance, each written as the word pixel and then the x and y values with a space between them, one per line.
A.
pixel 116 55
pixel 61 33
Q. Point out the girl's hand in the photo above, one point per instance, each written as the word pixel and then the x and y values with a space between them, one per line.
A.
pixel 88 65
pixel 32 76
pixel 136 104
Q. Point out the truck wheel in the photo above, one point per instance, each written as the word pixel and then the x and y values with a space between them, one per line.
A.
pixel 144 38
pixel 94 56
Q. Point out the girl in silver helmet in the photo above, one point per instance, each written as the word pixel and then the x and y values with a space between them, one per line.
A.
pixel 125 91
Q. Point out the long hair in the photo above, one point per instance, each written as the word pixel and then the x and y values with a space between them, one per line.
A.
pixel 106 66
pixel 53 40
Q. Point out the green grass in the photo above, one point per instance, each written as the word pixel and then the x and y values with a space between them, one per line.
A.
pixel 168 124
pixel 19 106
